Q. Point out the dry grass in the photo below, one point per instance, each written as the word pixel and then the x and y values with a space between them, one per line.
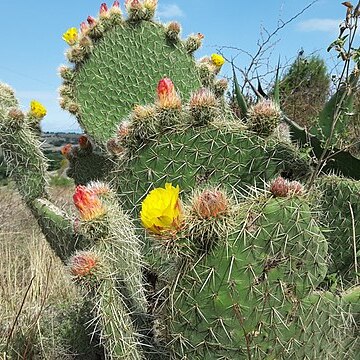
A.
pixel 32 279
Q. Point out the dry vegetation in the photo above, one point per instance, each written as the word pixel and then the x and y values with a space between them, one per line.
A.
pixel 32 280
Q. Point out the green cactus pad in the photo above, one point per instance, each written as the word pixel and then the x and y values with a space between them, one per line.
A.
pixel 341 217
pixel 22 147
pixel 123 70
pixel 7 98
pixel 84 168
pixel 252 296
pixel 206 156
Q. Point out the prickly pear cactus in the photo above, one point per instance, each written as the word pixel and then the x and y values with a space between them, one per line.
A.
pixel 233 267
pixel 117 64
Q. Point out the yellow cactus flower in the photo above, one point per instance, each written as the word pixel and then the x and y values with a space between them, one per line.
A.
pixel 161 211
pixel 217 60
pixel 37 110
pixel 70 36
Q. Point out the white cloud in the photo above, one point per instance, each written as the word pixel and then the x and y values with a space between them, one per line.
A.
pixel 169 11
pixel 323 25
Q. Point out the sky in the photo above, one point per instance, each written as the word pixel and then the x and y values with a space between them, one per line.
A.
pixel 33 49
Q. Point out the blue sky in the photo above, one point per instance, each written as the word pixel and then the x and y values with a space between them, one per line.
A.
pixel 33 47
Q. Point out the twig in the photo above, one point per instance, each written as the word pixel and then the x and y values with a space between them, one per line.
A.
pixel 256 61
pixel 274 33
pixel 18 313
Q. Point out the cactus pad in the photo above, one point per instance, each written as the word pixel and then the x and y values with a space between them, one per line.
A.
pixel 122 70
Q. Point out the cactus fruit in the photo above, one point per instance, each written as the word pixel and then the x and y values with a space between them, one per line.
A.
pixel 232 255
pixel 210 203
pixel 264 117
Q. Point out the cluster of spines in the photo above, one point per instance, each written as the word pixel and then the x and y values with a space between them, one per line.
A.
pixel 205 106
pixel 147 122
pixel 264 117
pixel 19 139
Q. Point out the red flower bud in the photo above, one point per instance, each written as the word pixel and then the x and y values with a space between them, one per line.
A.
pixel 167 96
pixel 165 87
pixel 66 151
pixel 103 8
pixel 91 21
pixel 116 4
pixel 84 142
pixel 88 203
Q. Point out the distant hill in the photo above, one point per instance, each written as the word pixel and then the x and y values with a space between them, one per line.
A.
pixel 54 141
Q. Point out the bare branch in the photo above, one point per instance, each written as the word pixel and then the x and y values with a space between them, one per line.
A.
pixel 265 43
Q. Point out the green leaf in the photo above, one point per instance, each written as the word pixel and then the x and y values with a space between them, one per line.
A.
pixel 339 106
pixel 261 91
pixel 341 161
pixel 239 96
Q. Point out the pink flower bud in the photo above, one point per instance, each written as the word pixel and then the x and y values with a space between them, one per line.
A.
pixel 210 203
pixel 165 87
pixel 133 5
pixel 103 9
pixel 296 188
pixel 84 27
pixel 279 187
pixel 116 3
pixel 83 264
pixel 91 21
pixel 203 98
